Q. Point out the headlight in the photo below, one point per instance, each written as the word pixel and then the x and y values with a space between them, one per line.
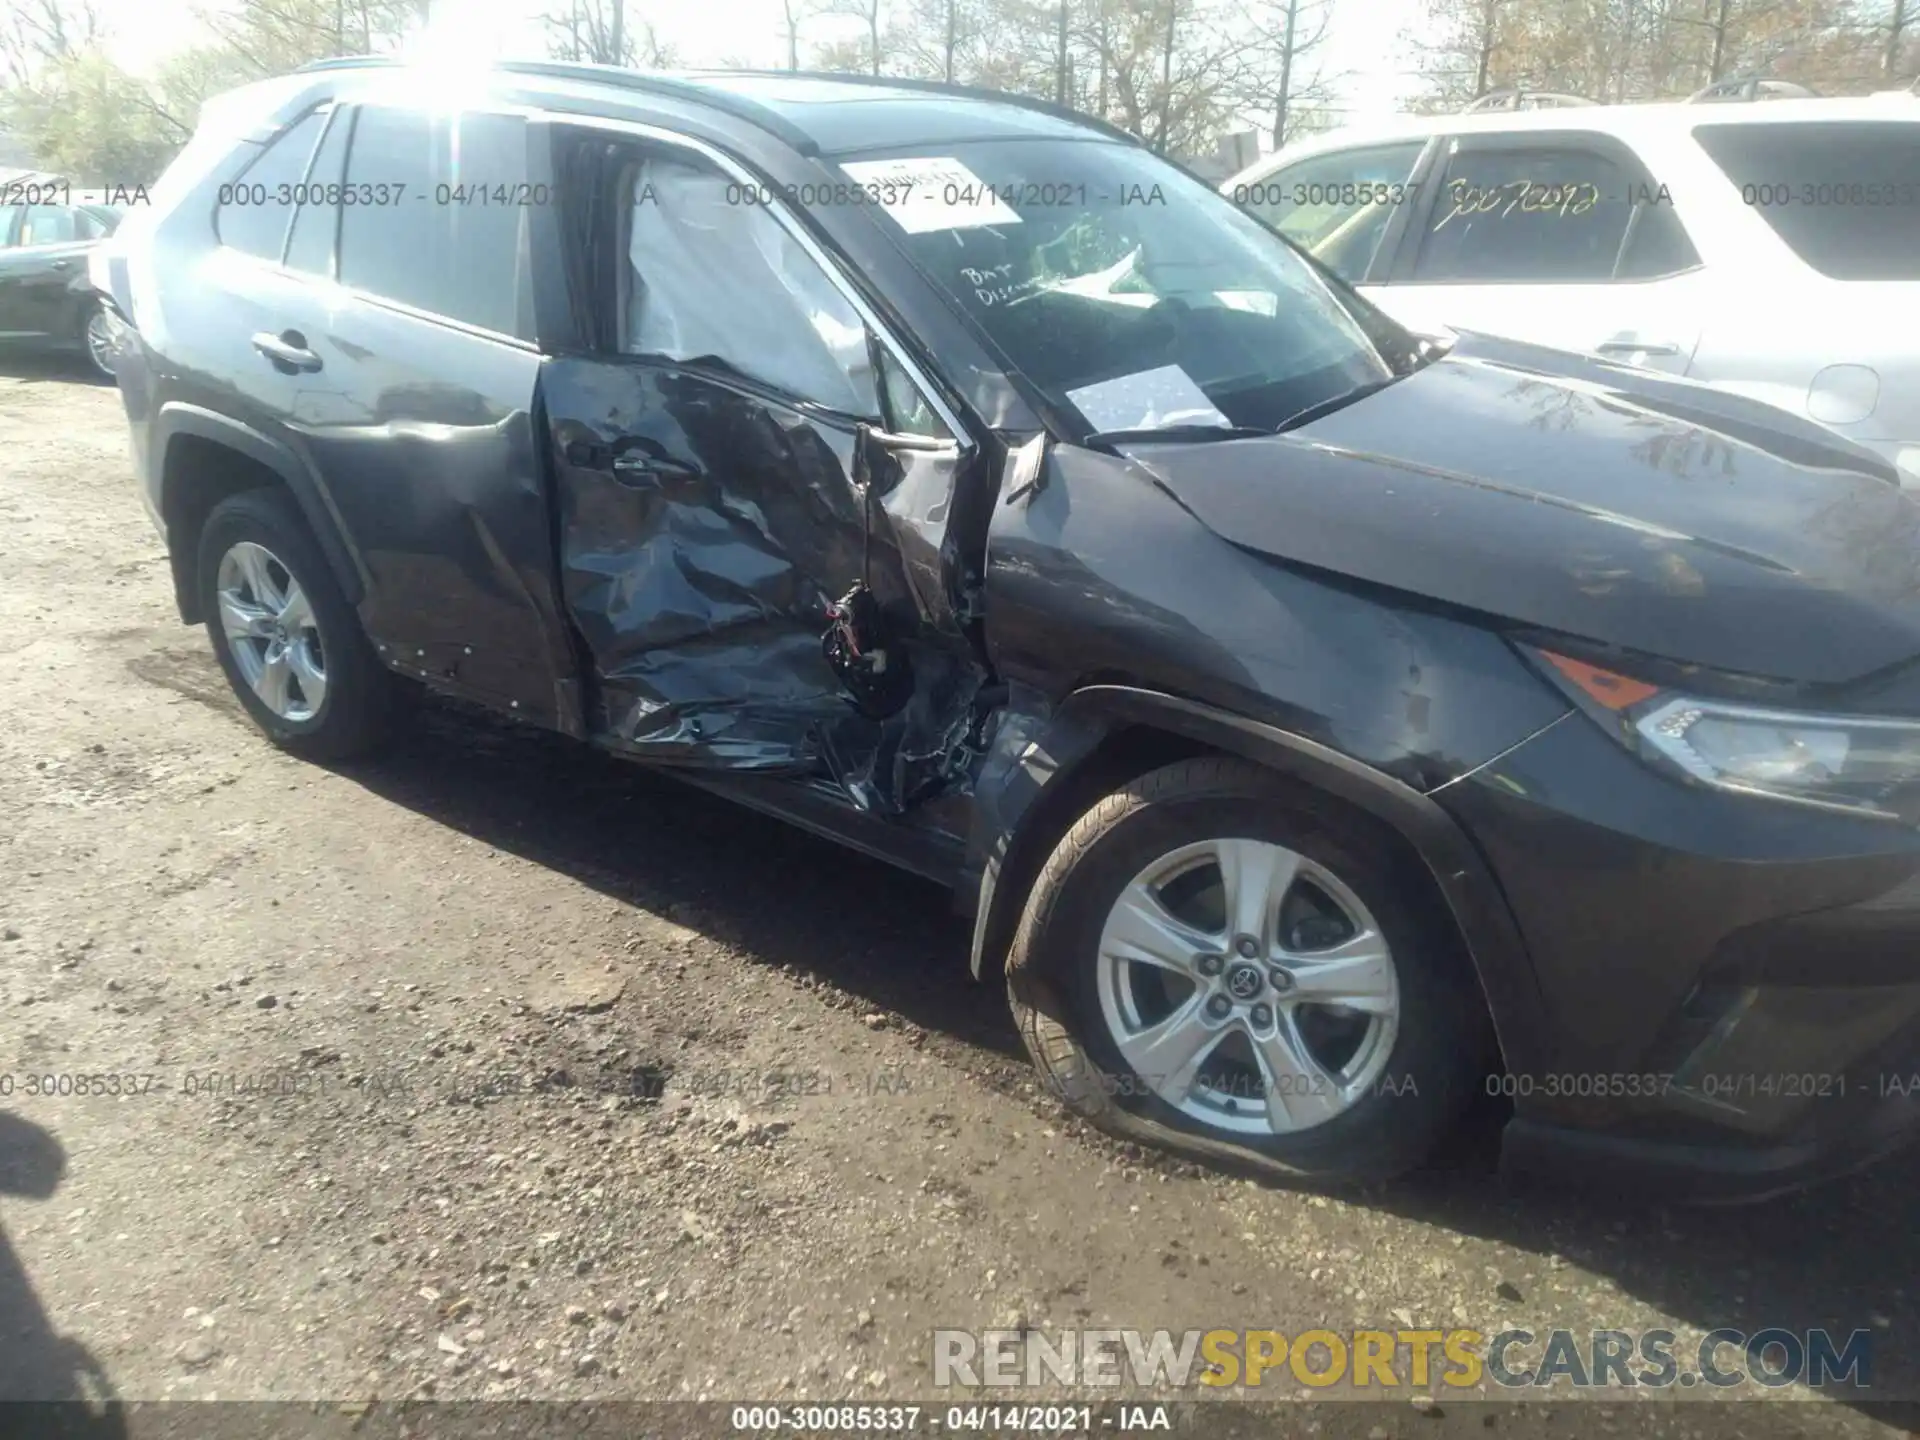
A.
pixel 1858 765
pixel 1907 460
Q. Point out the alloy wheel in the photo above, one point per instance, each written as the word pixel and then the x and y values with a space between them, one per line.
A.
pixel 271 631
pixel 1248 987
pixel 100 341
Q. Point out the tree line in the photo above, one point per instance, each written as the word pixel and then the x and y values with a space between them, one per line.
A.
pixel 1626 50
pixel 1178 73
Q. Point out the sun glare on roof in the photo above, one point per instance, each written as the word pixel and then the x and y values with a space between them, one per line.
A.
pixel 458 39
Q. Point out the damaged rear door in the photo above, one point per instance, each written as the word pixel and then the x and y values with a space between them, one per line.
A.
pixel 756 498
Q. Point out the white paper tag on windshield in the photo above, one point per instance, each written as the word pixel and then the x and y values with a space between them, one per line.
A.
pixel 932 192
pixel 1146 400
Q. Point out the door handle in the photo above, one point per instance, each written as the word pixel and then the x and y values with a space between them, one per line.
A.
pixel 1637 347
pixel 61 265
pixel 632 466
pixel 287 350
pixel 887 440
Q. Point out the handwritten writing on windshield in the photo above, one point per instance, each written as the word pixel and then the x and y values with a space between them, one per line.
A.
pixel 996 285
pixel 1524 197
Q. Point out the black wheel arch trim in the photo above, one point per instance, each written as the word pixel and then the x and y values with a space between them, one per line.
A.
pixel 1472 895
pixel 177 418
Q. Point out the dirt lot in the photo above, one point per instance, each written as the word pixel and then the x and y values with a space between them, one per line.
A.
pixel 444 1081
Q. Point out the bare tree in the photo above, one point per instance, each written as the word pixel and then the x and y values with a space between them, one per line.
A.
pixel 1466 49
pixel 256 38
pixel 1717 22
pixel 1062 64
pixel 941 39
pixel 37 32
pixel 1830 44
pixel 869 12
pixel 794 13
pixel 1289 33
pixel 597 32
pixel 1179 72
pixel 1166 73
pixel 1625 50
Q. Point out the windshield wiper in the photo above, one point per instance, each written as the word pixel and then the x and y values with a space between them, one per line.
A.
pixel 1107 439
pixel 1334 402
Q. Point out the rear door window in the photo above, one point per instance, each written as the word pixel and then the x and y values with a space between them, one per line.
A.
pixel 254 208
pixel 48 225
pixel 443 226
pixel 1843 194
pixel 316 216
pixel 1547 214
pixel 1336 207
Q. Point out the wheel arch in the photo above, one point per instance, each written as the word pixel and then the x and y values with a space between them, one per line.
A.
pixel 1101 736
pixel 203 457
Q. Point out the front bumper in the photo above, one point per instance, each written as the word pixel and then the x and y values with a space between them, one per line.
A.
pixel 1709 1173
pixel 1733 984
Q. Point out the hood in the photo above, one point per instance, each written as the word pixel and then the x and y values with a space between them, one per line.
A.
pixel 1592 499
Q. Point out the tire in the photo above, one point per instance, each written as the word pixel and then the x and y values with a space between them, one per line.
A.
pixel 323 653
pixel 91 354
pixel 1414 1064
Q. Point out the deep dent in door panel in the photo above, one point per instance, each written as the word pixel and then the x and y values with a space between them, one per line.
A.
pixel 701 589
pixel 438 482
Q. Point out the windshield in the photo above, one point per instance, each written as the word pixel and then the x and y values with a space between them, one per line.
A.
pixel 1123 290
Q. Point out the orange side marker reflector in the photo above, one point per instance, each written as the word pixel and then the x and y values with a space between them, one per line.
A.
pixel 1615 692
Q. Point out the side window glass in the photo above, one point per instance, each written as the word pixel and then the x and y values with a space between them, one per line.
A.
pixel 253 212
pixel 47 225
pixel 317 207
pixel 1336 207
pixel 908 412
pixel 715 279
pixel 1841 193
pixel 1538 215
pixel 443 226
pixel 8 214
pixel 1657 243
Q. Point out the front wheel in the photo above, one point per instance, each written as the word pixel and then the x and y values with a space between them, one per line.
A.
pixel 290 644
pixel 1226 964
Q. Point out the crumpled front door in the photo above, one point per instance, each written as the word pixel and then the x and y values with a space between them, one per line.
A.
pixel 705 530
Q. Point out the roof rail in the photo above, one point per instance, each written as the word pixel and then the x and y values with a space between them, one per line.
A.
pixel 942 87
pixel 1519 99
pixel 685 85
pixel 347 62
pixel 1751 87
pixel 648 82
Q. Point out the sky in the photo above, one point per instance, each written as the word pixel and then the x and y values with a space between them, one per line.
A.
pixel 1362 43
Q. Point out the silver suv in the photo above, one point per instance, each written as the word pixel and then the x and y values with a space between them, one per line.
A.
pixel 1769 249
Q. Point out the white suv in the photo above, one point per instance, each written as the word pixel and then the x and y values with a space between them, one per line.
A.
pixel 1772 249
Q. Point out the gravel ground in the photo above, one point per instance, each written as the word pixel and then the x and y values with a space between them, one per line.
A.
pixel 446 1084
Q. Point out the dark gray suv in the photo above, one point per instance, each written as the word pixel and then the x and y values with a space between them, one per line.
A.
pixel 1321 726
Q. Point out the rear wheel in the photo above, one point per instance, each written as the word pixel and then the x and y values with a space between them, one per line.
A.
pixel 290 644
pixel 98 340
pixel 1221 962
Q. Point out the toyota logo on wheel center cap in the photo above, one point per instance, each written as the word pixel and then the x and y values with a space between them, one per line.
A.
pixel 1244 981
